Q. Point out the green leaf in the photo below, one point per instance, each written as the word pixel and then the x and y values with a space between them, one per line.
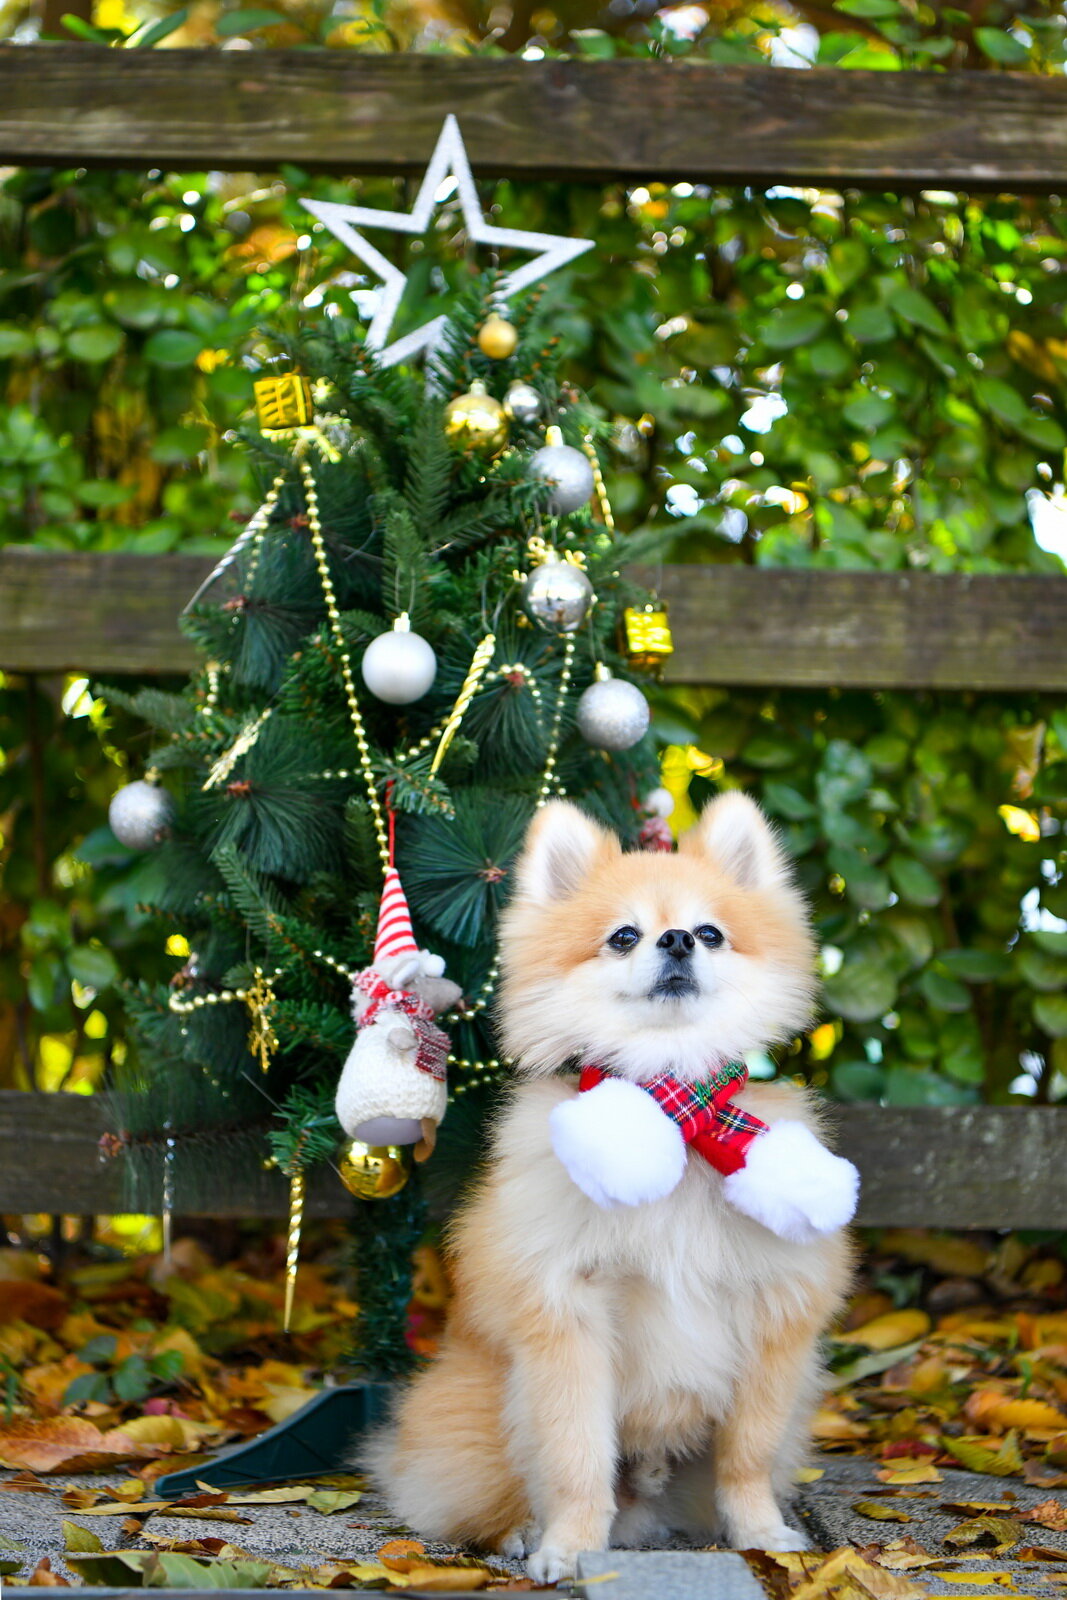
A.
pixel 14 342
pixel 913 307
pixel 81 29
pixel 872 9
pixel 1043 972
pixel 1050 785
pixel 132 1380
pixel 144 40
pixel 944 993
pixel 1002 401
pixel 861 991
pixel 1002 47
pixel 97 343
pixel 167 1366
pixel 79 1539
pixel 1050 1013
pixel 92 965
pixel 857 1080
pixel 12 1557
pixel 865 884
pixel 871 324
pixel 913 882
pixel 102 1348
pixel 918 1086
pixel 782 800
pixel 770 750
pixel 793 325
pixel 975 966
pixel 330 1500
pixel 246 21
pixel 1054 944
pixel 85 1387
pixel 868 411
pixel 173 347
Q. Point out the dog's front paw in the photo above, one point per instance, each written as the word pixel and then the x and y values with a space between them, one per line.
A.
pixel 771 1536
pixel 550 1564
pixel 617 1145
pixel 519 1542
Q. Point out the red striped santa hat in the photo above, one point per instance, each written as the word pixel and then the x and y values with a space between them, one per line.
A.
pixel 394 936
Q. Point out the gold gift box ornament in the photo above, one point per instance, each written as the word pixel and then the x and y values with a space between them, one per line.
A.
pixel 283 403
pixel 647 636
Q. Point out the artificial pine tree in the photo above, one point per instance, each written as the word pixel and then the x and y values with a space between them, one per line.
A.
pixel 386 494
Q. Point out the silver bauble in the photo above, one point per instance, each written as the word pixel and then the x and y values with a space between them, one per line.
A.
pixel 570 474
pixel 557 596
pixel 400 666
pixel 522 402
pixel 140 814
pixel 613 714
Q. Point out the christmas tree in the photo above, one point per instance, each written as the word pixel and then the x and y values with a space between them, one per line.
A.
pixel 418 638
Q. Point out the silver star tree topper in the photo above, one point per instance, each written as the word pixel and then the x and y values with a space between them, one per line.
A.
pixel 552 250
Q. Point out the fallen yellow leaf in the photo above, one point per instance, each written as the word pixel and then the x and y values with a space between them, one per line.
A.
pixel 888 1331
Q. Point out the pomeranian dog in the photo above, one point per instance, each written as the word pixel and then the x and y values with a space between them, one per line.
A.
pixel 632 1347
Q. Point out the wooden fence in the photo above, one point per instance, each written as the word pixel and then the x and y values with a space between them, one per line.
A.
pixel 331 110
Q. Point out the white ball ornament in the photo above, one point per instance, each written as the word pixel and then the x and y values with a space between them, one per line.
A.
pixel 399 667
pixel 659 802
pixel 522 402
pixel 140 814
pixel 612 714
pixel 566 469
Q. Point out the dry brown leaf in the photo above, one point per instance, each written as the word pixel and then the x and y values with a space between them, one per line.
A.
pixel 68 1444
pixel 902 1555
pixel 1040 1552
pixel 35 1303
pixel 441 1579
pixel 1038 1476
pixel 76 1499
pixel 42 1576
pixel 912 1472
pixel 846 1575
pixel 888 1331
pixel 27 1483
pixel 1001 1532
pixel 955 1257
pixel 829 1425
pixel 879 1511
pixel 1049 1513
pixel 132 1526
pixel 971 1508
pixel 400 1550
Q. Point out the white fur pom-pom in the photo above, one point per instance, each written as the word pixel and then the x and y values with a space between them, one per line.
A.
pixel 793 1184
pixel 432 966
pixel 617 1145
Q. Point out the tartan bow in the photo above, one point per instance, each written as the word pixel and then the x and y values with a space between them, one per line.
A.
pixel 707 1119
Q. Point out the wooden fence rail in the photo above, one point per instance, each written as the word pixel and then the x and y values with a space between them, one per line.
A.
pixel 947 1167
pixel 339 111
pixel 117 613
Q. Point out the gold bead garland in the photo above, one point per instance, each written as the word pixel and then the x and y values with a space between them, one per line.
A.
pixel 221 998
pixel 318 544
pixel 549 781
pixel 599 485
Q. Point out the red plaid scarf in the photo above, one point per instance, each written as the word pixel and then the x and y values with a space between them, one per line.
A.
pixel 432 1054
pixel 719 1131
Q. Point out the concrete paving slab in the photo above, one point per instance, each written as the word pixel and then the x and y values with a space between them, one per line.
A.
pixel 666 1575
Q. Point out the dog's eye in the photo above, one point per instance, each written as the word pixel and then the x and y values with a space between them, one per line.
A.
pixel 624 939
pixel 710 937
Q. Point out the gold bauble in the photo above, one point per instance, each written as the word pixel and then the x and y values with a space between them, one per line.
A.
pixel 477 422
pixel 497 337
pixel 372 1171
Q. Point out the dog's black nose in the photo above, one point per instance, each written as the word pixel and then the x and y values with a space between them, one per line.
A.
pixel 677 942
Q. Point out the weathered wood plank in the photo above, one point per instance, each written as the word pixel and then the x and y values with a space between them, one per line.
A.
pixel 338 111
pixel 117 613
pixel 944 1167
pixel 877 630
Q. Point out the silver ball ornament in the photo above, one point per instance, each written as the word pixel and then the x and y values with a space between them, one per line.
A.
pixel 557 595
pixel 613 714
pixel 399 667
pixel 567 470
pixel 140 814
pixel 522 402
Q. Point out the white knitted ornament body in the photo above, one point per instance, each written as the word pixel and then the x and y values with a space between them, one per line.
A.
pixel 380 1080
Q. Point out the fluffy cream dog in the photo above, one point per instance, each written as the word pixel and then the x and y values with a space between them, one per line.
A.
pixel 629 1351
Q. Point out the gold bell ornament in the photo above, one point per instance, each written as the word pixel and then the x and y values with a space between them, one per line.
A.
pixel 475 422
pixel 497 337
pixel 372 1172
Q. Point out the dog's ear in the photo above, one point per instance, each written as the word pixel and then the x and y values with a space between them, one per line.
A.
pixel 734 834
pixel 561 846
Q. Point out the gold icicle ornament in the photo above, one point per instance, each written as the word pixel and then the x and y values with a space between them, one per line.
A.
pixel 372 1172
pixel 481 659
pixel 260 1000
pixel 647 636
pixel 297 1191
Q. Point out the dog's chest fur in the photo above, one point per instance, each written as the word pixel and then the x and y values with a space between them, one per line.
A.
pixel 676 1291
